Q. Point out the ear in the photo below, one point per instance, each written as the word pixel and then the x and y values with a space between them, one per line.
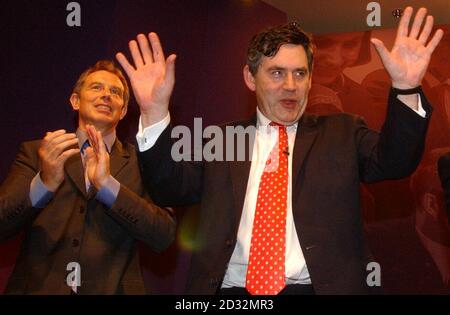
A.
pixel 249 79
pixel 124 111
pixel 430 205
pixel 75 101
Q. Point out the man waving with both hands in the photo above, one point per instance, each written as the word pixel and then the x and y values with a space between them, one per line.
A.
pixel 309 239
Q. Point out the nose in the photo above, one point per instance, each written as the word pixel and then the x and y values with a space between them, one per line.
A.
pixel 106 94
pixel 289 83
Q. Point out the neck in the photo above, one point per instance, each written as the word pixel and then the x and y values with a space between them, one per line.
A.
pixel 105 131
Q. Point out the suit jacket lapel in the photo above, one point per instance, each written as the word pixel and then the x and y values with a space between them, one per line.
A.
pixel 118 158
pixel 75 171
pixel 239 172
pixel 306 135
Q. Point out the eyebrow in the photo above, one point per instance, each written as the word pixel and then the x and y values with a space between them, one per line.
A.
pixel 114 86
pixel 281 68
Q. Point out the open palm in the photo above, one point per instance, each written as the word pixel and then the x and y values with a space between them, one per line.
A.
pixel 152 77
pixel 408 60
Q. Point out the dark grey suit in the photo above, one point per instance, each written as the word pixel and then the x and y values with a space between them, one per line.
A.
pixel 332 155
pixel 75 227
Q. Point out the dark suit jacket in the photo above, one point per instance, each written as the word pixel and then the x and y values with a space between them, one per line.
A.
pixel 444 175
pixel 75 227
pixel 332 155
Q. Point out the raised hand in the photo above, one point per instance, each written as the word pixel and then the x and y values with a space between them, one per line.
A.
pixel 53 154
pixel 408 60
pixel 97 159
pixel 152 77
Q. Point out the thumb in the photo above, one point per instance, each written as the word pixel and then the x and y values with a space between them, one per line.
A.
pixel 170 68
pixel 380 48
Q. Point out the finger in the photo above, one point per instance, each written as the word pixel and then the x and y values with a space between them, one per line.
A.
pixel 57 150
pixel 145 48
pixel 435 41
pixel 417 24
pixel 90 155
pixel 426 30
pixel 404 22
pixel 158 54
pixel 170 69
pixel 129 69
pixel 62 138
pixel 381 49
pixel 136 54
pixel 91 134
pixel 101 144
pixel 67 154
pixel 93 139
pixel 51 135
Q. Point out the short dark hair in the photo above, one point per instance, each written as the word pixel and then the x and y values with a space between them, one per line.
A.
pixel 103 65
pixel 268 42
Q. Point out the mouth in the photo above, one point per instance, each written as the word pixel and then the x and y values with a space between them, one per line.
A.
pixel 103 108
pixel 289 103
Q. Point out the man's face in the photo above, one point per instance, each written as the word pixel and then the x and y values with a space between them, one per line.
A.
pixel 334 54
pixel 100 101
pixel 282 84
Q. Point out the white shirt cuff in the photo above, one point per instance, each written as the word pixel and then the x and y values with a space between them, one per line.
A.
pixel 147 137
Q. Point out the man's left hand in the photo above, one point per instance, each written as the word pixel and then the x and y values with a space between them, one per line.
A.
pixel 408 60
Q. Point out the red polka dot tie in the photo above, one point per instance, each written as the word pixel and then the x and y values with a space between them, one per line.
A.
pixel 266 270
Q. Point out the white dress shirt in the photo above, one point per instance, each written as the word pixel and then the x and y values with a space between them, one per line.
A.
pixel 266 138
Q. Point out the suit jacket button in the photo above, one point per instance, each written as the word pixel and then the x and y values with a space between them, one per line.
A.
pixel 229 242
pixel 75 243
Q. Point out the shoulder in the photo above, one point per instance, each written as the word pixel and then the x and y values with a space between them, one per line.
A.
pixel 344 119
pixel 126 148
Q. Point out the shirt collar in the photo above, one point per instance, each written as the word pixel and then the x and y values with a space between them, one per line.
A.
pixel 108 139
pixel 263 121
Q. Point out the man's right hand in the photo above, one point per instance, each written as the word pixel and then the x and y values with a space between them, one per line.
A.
pixel 53 153
pixel 152 78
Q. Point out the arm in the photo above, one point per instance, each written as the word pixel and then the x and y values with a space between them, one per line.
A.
pixel 47 158
pixel 144 220
pixel 152 78
pixel 170 183
pixel 396 152
pixel 15 204
pixel 398 149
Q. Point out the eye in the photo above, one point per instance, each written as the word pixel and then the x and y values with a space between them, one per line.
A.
pixel 96 87
pixel 116 91
pixel 300 73
pixel 276 73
